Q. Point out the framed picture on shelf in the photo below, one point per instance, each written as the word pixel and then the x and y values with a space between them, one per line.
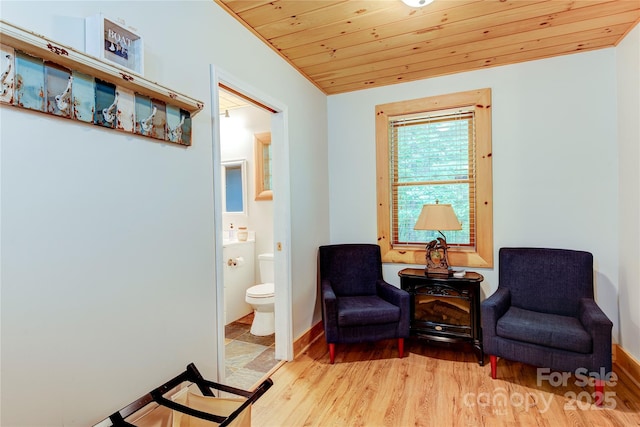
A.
pixel 109 40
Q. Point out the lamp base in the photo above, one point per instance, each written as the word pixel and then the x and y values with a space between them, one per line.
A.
pixel 439 272
pixel 437 258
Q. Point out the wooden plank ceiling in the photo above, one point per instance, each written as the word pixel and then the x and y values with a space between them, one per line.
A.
pixel 342 46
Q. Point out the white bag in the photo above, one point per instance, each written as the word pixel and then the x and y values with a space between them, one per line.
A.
pixel 213 405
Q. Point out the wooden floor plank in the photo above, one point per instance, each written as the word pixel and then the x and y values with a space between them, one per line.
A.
pixel 431 386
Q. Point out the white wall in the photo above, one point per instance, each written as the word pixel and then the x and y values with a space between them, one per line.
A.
pixel 628 75
pixel 555 175
pixel 107 238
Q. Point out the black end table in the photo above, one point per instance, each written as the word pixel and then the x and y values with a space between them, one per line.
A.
pixel 445 308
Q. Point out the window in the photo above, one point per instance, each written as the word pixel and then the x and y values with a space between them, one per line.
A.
pixel 435 149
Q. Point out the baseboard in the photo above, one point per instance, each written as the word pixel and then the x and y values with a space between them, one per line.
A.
pixel 302 343
pixel 627 364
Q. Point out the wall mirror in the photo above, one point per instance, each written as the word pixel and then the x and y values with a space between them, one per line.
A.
pixel 264 190
pixel 234 187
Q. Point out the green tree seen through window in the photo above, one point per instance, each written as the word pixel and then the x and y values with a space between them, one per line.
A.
pixel 433 160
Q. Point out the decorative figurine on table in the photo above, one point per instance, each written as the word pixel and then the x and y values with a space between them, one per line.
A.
pixel 437 257
pixel 437 217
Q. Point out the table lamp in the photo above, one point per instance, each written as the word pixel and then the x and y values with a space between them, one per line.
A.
pixel 437 217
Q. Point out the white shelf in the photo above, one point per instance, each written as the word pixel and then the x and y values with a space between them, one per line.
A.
pixel 47 49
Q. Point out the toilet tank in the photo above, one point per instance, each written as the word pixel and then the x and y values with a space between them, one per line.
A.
pixel 266 268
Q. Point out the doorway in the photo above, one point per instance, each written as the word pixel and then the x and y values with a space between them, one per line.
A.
pixel 279 242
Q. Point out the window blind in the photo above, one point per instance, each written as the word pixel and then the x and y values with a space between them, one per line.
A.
pixel 432 159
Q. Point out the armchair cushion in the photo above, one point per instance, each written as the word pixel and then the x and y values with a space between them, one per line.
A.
pixel 366 310
pixel 549 330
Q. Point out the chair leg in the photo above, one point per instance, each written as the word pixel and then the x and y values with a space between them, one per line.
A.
pixel 494 362
pixel 400 348
pixel 332 352
pixel 599 395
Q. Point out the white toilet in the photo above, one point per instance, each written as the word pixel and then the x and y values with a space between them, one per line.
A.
pixel 261 298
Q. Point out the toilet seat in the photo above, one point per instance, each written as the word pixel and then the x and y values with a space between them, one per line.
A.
pixel 263 290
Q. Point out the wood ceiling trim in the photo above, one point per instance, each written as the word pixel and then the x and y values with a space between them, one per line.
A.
pixel 239 6
pixel 437 15
pixel 439 36
pixel 462 67
pixel 305 25
pixel 382 35
pixel 430 66
pixel 345 45
pixel 275 11
pixel 412 54
pixel 534 28
pixel 631 27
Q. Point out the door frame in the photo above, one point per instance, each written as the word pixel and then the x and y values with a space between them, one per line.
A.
pixel 281 213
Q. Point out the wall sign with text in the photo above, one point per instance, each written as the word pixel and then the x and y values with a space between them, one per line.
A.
pixel 110 41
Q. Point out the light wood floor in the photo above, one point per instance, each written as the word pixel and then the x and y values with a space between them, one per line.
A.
pixel 431 386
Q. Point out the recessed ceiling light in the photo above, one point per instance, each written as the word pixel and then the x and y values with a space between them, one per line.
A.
pixel 417 3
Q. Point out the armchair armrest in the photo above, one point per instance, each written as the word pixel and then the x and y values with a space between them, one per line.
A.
pixel 390 293
pixel 594 320
pixel 329 311
pixel 592 317
pixel 399 298
pixel 493 308
pixel 598 325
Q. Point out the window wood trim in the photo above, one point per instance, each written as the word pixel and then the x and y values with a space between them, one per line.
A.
pixel 482 256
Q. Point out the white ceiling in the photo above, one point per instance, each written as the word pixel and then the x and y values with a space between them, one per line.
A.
pixel 228 101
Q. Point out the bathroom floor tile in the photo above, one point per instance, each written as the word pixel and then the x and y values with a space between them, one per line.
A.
pixel 239 354
pixel 248 337
pixel 264 361
pixel 247 357
pixel 235 329
pixel 246 320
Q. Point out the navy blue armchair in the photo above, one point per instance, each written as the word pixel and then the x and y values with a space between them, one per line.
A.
pixel 357 304
pixel 544 314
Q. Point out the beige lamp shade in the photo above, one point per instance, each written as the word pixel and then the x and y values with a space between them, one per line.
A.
pixel 437 217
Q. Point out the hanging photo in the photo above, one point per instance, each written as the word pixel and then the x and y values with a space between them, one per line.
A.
pixel 159 130
pixel 106 104
pixel 125 115
pixel 84 101
pixel 107 39
pixel 29 77
pixel 58 82
pixel 144 113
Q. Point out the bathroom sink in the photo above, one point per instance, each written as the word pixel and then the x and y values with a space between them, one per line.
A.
pixel 227 242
